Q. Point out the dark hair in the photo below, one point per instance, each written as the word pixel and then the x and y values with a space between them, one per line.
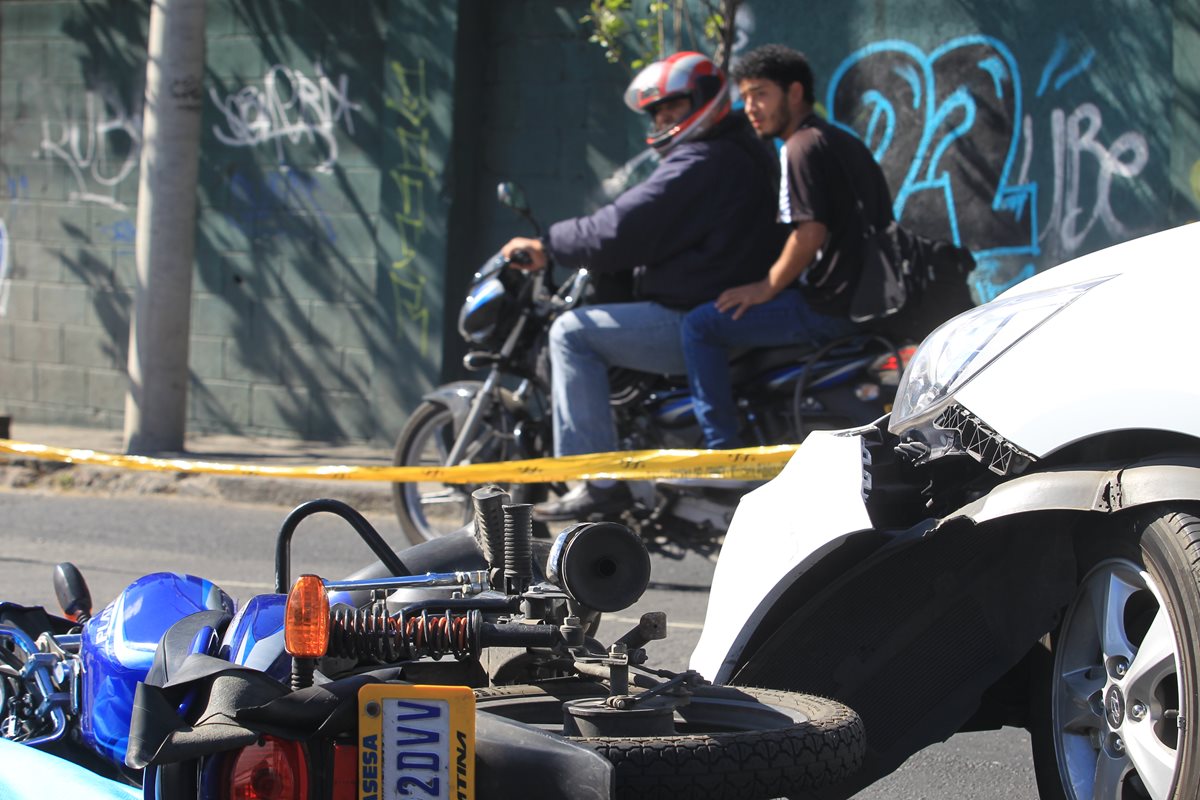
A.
pixel 776 63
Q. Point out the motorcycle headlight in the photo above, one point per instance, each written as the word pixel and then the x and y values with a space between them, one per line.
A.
pixel 481 311
pixel 959 349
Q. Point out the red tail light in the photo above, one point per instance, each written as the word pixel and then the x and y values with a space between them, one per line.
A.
pixel 345 772
pixel 889 362
pixel 272 769
pixel 885 366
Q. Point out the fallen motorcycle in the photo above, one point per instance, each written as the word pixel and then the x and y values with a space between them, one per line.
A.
pixel 463 667
pixel 782 394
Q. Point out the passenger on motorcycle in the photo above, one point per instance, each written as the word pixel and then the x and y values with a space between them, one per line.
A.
pixel 820 163
pixel 702 223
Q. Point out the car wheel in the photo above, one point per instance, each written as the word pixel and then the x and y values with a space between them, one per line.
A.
pixel 1119 709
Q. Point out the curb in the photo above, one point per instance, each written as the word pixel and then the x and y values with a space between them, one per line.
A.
pixel 48 476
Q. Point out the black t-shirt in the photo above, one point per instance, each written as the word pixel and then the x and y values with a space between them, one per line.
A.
pixel 824 169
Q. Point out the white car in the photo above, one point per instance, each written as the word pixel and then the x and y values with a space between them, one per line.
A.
pixel 1018 543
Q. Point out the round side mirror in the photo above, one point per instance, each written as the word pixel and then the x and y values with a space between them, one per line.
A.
pixel 510 195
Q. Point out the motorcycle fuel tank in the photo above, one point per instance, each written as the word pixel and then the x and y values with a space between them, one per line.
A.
pixel 118 649
pixel 255 637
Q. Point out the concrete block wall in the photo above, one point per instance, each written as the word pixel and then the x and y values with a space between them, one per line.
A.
pixel 69 142
pixel 350 154
pixel 298 325
pixel 1030 132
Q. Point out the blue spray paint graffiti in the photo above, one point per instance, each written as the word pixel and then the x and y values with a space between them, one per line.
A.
pixel 285 202
pixel 119 232
pixel 953 136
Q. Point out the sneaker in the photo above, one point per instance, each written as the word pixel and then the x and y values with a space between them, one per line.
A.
pixel 585 501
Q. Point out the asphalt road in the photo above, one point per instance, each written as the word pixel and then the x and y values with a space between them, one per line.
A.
pixel 114 540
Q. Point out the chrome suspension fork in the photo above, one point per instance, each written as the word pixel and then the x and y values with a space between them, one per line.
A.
pixel 483 401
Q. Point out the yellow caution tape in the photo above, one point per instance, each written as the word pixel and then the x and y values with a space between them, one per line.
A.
pixel 748 463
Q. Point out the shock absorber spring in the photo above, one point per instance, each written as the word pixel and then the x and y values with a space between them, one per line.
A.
pixel 372 633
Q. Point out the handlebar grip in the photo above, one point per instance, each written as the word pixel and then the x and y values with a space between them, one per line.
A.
pixel 521 257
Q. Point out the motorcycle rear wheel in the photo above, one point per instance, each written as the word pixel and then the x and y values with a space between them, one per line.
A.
pixel 429 509
pixel 730 741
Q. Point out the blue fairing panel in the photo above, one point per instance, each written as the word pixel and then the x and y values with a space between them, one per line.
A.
pixel 30 774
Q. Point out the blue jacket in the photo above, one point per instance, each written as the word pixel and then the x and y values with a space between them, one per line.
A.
pixel 704 221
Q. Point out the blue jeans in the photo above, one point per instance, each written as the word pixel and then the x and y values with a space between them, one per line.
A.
pixel 584 343
pixel 708 335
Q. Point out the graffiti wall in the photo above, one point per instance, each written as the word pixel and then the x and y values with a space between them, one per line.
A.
pixel 350 153
pixel 1029 132
pixel 317 295
pixel 1028 149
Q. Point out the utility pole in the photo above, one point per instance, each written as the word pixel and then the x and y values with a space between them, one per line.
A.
pixel 156 403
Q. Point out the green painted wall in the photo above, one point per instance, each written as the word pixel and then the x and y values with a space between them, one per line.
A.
pixel 317 300
pixel 1032 132
pixel 351 149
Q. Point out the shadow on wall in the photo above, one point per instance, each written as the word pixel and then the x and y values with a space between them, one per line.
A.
pixel 1031 149
pixel 91 140
pixel 295 325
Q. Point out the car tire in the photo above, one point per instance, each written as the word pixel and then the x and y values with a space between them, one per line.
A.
pixel 1116 713
pixel 723 748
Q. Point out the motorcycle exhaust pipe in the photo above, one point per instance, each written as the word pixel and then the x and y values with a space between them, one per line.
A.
pixel 602 565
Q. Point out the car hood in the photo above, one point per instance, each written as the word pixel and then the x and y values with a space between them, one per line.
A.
pixel 1146 256
pixel 1117 358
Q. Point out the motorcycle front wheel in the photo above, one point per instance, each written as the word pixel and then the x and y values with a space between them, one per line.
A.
pixel 429 509
pixel 1119 706
pixel 729 741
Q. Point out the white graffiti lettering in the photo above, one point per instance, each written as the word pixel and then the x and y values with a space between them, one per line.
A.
pixel 101 151
pixel 290 106
pixel 1076 137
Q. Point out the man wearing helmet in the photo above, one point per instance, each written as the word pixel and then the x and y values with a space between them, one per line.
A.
pixel 702 223
pixel 830 185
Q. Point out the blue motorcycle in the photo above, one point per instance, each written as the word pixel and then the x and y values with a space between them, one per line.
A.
pixel 464 667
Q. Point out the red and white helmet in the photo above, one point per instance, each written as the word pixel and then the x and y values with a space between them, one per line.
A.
pixel 687 74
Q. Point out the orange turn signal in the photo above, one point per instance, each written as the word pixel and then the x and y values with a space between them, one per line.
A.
pixel 306 618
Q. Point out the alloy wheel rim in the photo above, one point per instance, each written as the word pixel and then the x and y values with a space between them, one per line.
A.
pixel 1116 693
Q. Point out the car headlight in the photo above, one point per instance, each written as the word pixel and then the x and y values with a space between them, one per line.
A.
pixel 959 349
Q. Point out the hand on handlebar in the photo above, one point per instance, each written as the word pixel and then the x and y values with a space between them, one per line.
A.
pixel 525 254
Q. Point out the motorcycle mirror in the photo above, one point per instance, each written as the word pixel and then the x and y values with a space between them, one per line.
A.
pixel 511 196
pixel 72 592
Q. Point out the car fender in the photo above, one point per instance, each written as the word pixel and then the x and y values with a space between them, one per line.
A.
pixel 775 536
pixel 1105 488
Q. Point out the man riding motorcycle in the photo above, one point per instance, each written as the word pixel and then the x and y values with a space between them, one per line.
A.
pixel 703 222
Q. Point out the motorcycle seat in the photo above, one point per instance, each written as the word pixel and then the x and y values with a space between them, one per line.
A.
pixel 747 364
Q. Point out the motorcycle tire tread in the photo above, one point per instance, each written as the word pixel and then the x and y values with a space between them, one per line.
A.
pixel 821 751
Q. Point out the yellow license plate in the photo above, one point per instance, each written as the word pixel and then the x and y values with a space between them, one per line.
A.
pixel 416 742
